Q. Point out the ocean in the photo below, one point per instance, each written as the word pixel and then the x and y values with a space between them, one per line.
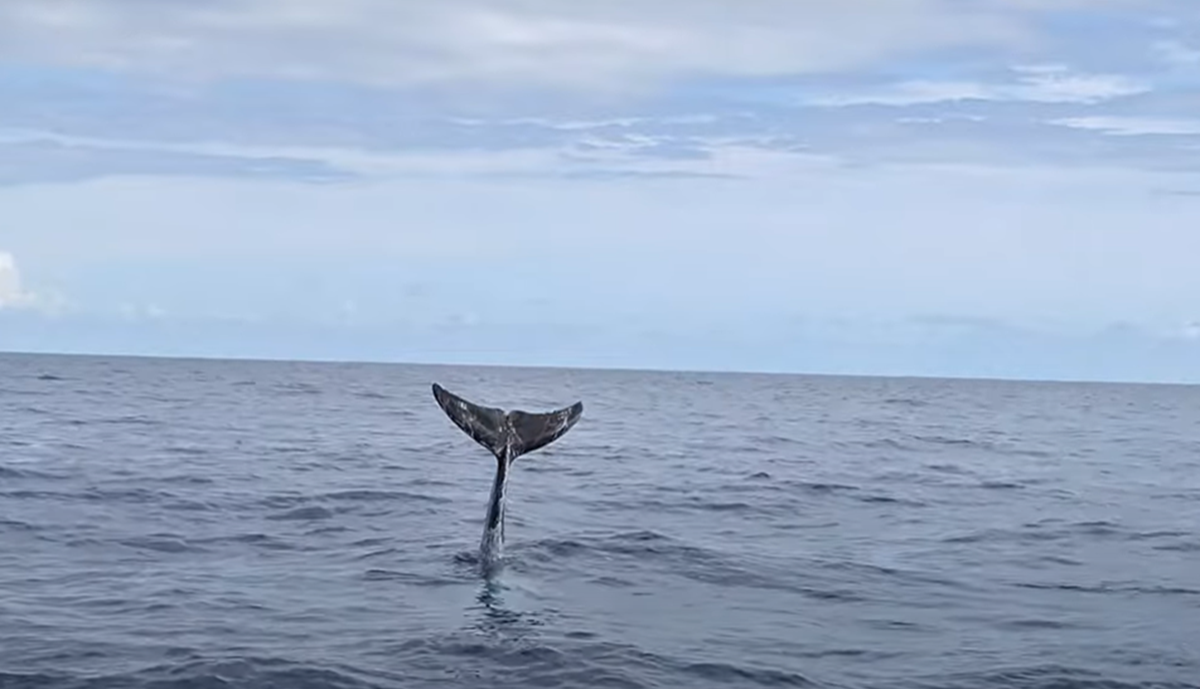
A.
pixel 205 524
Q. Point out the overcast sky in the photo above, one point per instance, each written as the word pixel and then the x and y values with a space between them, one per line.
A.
pixel 959 187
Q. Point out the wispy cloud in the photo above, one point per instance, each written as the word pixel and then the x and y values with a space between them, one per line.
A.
pixel 43 160
pixel 1134 126
pixel 1033 83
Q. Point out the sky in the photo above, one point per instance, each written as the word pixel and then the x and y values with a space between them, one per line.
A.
pixel 996 188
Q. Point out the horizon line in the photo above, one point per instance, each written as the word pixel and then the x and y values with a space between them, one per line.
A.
pixel 600 368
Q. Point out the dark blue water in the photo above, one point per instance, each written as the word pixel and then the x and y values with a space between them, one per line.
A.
pixel 238 524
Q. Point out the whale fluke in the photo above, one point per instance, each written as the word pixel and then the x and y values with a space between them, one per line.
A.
pixel 507 435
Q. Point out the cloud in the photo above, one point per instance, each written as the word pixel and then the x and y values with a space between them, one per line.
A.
pixel 725 143
pixel 47 161
pixel 1134 126
pixel 1177 53
pixel 543 153
pixel 1035 83
pixel 607 46
pixel 13 294
pixel 305 90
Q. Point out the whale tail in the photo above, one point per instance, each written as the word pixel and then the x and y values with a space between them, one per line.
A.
pixel 507 435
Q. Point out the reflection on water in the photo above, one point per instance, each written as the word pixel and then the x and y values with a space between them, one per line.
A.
pixel 497 615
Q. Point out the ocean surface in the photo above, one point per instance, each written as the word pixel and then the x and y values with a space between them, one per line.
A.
pixel 215 524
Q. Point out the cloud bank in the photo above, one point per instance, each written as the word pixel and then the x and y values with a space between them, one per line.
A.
pixel 610 46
